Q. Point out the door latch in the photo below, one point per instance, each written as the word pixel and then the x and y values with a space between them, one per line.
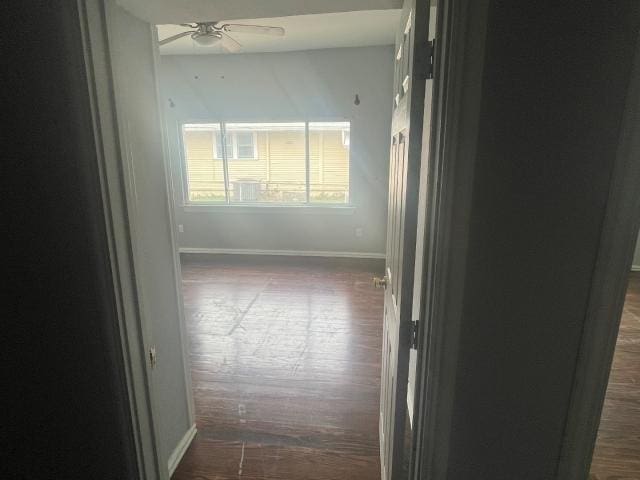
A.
pixel 380 282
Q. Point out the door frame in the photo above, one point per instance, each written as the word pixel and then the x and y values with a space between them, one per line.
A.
pixel 117 195
pixel 459 55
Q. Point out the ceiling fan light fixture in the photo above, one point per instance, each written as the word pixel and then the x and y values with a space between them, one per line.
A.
pixel 207 39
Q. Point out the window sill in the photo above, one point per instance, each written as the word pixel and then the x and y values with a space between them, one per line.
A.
pixel 278 209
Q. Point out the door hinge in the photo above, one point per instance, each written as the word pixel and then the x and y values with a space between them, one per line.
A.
pixel 430 52
pixel 413 334
pixel 153 357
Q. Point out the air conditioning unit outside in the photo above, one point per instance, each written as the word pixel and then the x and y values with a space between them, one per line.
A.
pixel 246 190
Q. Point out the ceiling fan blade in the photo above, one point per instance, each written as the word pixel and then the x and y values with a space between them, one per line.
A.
pixel 229 44
pixel 257 29
pixel 174 37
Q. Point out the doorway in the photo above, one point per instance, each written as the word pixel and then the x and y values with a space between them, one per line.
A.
pixel 336 348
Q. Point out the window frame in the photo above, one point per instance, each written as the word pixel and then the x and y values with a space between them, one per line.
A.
pixel 228 204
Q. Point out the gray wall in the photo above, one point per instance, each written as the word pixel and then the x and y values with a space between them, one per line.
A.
pixel 140 130
pixel 636 256
pixel 288 86
pixel 550 122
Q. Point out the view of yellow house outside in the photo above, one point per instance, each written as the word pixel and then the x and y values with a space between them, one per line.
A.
pixel 269 163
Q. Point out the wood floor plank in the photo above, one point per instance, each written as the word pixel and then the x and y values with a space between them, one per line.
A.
pixel 210 459
pixel 285 362
pixel 617 452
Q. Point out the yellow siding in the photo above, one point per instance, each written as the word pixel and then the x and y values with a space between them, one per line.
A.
pixel 315 165
pixel 328 167
pixel 287 157
pixel 335 162
pixel 205 174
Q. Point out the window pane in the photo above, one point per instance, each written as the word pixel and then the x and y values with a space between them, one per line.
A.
pixel 205 175
pixel 275 169
pixel 244 140
pixel 329 162
pixel 218 144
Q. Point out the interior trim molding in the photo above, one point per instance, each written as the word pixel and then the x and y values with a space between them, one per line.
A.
pixel 95 20
pixel 458 73
pixel 635 268
pixel 181 448
pixel 289 253
pixel 173 237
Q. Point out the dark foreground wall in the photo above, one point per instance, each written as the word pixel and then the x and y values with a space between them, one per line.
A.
pixel 554 85
pixel 66 415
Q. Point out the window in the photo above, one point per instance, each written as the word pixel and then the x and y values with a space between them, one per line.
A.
pixel 292 163
pixel 244 145
pixel 238 144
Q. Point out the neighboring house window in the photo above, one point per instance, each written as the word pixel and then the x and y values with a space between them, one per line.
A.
pixel 245 145
pixel 239 145
pixel 291 163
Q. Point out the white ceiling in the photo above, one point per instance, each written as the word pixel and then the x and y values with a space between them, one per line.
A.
pixel 184 11
pixel 303 32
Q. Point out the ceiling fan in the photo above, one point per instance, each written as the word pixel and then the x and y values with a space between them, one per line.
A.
pixel 210 33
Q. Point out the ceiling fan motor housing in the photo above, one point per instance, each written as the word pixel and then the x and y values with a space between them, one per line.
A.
pixel 206 38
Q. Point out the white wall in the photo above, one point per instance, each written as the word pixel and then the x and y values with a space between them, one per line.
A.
pixel 132 50
pixel 319 84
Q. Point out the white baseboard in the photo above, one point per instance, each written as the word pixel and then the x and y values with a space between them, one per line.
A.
pixel 183 444
pixel 289 253
pixel 635 268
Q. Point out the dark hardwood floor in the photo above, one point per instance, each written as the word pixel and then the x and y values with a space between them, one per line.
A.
pixel 617 452
pixel 285 360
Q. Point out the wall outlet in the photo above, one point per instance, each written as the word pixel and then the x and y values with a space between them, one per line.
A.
pixel 358 232
pixel 181 228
